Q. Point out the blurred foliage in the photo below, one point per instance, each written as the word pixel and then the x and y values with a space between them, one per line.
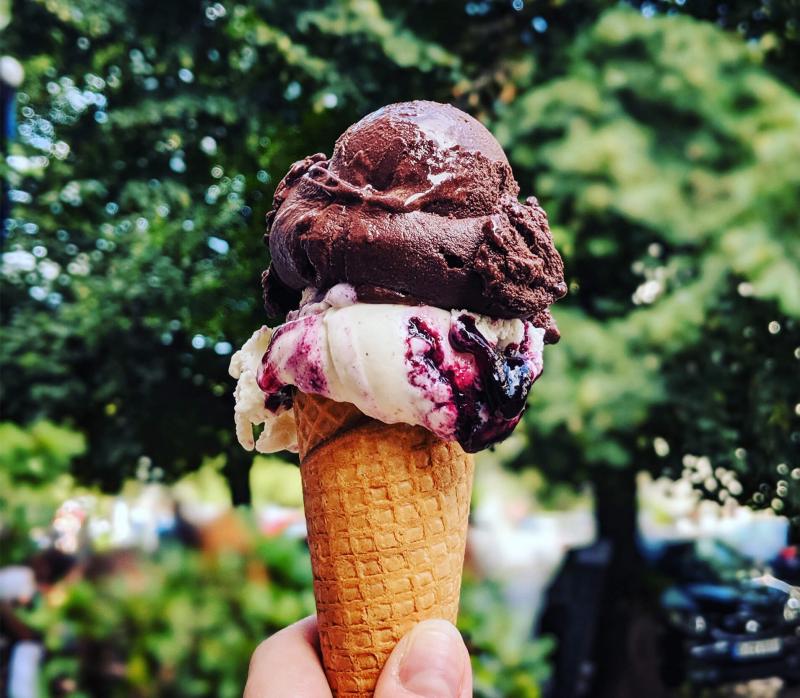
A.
pixel 34 480
pixel 179 624
pixel 182 623
pixel 529 486
pixel 273 481
pixel 664 148
pixel 204 485
pixel 502 666
pixel 666 157
pixel 37 454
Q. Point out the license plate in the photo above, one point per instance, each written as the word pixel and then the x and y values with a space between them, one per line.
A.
pixel 758 648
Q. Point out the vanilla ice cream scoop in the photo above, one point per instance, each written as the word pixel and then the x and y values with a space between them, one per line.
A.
pixel 463 376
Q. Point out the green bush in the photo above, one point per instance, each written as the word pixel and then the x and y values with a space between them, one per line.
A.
pixel 34 480
pixel 179 624
pixel 184 624
pixel 502 666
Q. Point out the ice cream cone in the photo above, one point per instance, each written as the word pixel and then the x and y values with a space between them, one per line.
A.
pixel 386 508
pixel 416 288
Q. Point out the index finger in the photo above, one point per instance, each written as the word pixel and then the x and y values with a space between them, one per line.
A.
pixel 288 664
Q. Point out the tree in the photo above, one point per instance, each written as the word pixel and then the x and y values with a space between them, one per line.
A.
pixel 151 138
pixel 665 155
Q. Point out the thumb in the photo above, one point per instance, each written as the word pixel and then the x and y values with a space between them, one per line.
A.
pixel 431 661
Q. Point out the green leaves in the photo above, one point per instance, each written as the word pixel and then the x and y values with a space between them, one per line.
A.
pixel 663 150
pixel 666 157
pixel 178 625
pixel 38 454
pixel 503 667
pixel 34 480
pixel 147 162
pixel 366 18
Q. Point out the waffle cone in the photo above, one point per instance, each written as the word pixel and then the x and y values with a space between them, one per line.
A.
pixel 386 507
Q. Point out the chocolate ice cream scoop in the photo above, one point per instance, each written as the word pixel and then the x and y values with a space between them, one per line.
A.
pixel 418 204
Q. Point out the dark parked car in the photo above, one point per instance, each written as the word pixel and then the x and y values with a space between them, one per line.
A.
pixel 725 620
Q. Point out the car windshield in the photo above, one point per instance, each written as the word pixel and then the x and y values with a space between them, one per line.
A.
pixel 713 561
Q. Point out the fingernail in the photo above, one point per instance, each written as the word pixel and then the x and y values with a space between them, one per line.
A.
pixel 432 666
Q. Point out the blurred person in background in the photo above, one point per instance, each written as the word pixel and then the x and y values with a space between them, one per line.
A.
pixel 21 649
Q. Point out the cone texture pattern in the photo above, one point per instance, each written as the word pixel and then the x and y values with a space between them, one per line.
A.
pixel 318 419
pixel 386 508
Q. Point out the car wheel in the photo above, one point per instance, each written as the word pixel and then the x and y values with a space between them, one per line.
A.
pixel 673 662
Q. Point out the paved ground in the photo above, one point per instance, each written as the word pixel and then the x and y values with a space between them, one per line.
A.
pixel 768 688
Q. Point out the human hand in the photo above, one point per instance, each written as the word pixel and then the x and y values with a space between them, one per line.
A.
pixel 431 661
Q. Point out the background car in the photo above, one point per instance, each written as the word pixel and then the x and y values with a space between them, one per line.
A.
pixel 724 619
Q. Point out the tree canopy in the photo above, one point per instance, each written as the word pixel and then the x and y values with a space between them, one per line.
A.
pixel 152 134
pixel 666 156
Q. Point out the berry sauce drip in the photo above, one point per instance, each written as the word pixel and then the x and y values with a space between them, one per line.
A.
pixel 308 374
pixel 488 406
pixel 281 400
pixel 506 377
pixel 277 395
